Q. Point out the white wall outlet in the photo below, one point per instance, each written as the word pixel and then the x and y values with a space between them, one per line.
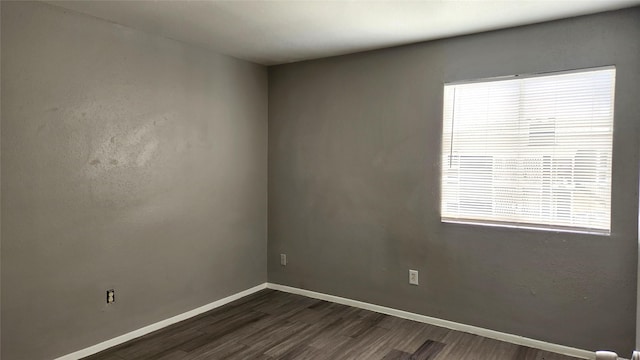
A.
pixel 111 296
pixel 283 259
pixel 413 277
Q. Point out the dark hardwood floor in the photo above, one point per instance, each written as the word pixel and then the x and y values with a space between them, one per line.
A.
pixel 277 325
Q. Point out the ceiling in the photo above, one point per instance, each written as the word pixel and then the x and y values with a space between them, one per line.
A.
pixel 275 32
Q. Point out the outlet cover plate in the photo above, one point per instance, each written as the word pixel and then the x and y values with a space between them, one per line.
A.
pixel 413 277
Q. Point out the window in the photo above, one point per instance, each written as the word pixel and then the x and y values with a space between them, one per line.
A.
pixel 530 151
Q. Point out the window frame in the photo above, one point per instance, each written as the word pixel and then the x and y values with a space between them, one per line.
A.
pixel 525 225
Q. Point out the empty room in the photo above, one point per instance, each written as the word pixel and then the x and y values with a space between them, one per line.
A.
pixel 322 180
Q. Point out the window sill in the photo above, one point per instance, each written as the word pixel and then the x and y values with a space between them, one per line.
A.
pixel 558 229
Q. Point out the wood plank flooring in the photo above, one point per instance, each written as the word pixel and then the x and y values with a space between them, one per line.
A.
pixel 276 325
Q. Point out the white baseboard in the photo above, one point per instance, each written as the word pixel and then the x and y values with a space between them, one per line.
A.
pixel 492 334
pixel 159 325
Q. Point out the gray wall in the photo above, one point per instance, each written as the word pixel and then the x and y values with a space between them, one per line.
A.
pixel 354 192
pixel 130 162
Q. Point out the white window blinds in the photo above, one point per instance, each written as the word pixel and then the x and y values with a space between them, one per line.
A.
pixel 530 151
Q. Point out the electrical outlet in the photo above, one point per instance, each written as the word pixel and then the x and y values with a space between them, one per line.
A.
pixel 283 259
pixel 111 296
pixel 413 277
